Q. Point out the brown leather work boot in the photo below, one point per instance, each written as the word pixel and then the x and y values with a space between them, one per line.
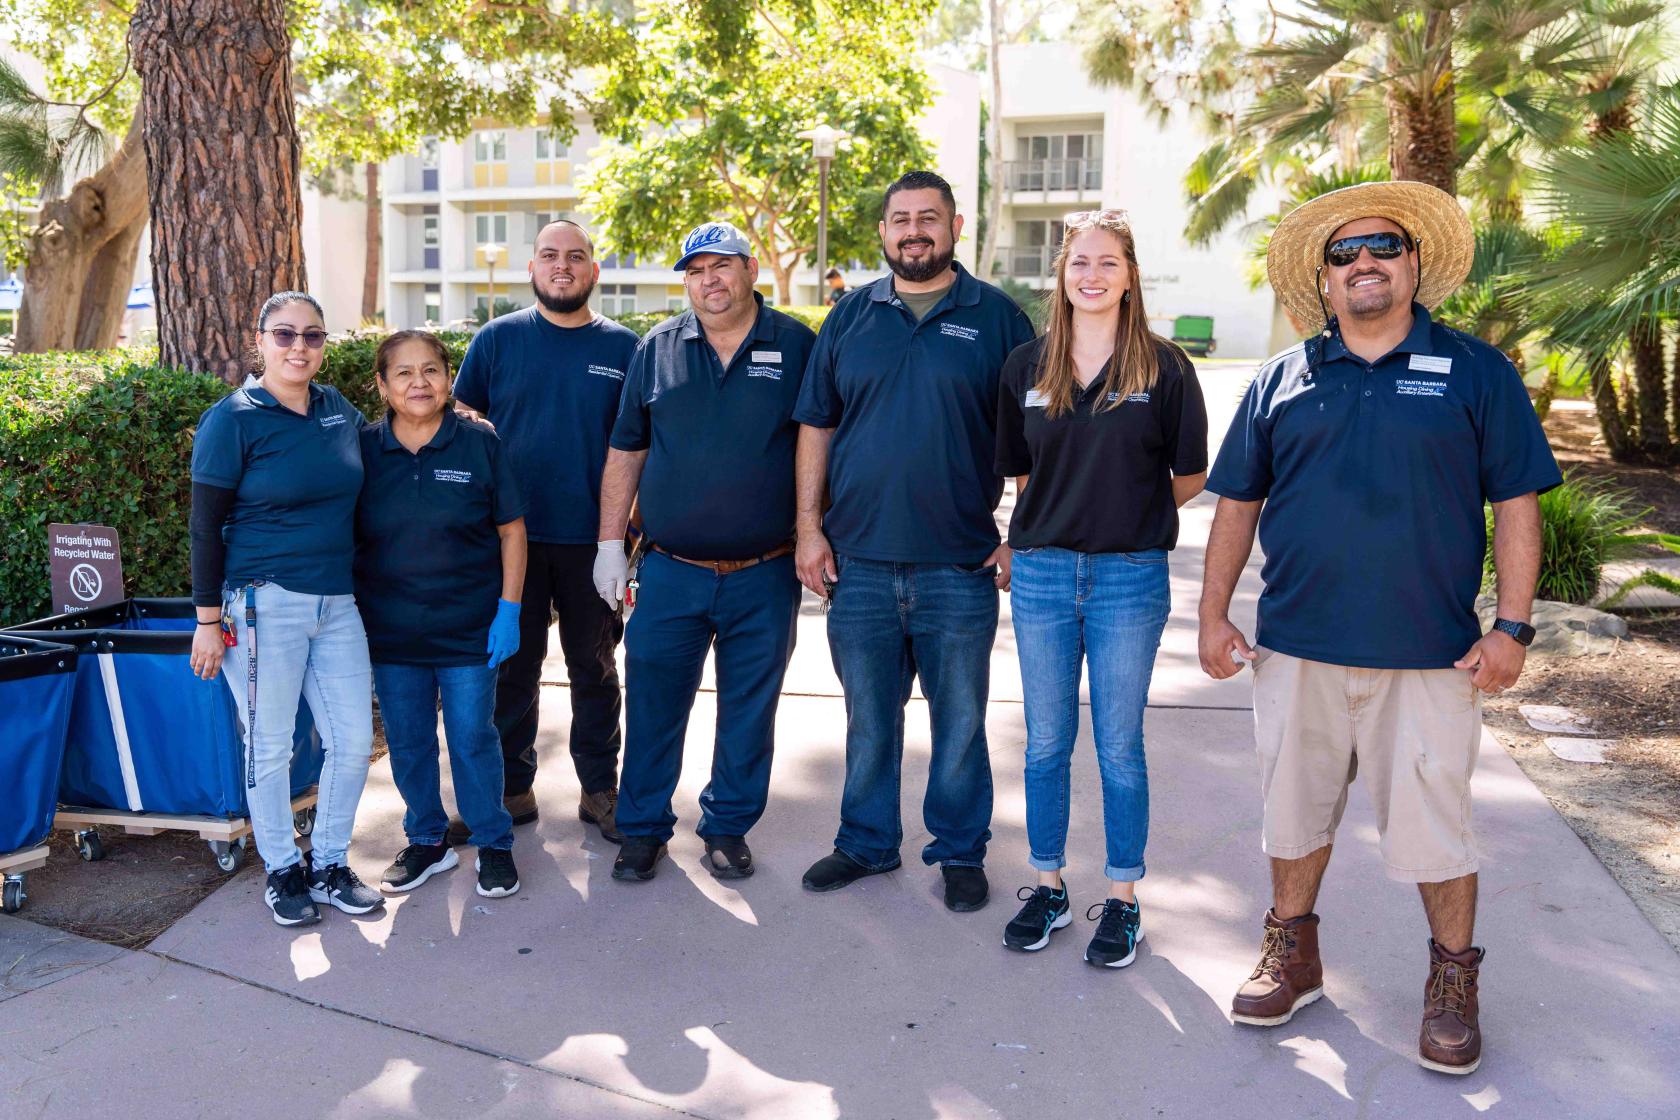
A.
pixel 1288 977
pixel 1451 1038
pixel 522 807
pixel 601 810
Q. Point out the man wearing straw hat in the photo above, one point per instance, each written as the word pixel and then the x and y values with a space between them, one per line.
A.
pixel 1364 456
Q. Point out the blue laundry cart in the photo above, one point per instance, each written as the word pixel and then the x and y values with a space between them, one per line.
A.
pixel 36 681
pixel 152 747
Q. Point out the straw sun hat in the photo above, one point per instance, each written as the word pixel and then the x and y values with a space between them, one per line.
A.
pixel 1432 217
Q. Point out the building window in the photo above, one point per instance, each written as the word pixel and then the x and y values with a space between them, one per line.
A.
pixel 431 237
pixel 490 158
pixel 490 228
pixel 429 163
pixel 1057 161
pixel 619 260
pixel 550 146
pixel 434 303
pixel 1036 242
pixel 618 299
pixel 541 218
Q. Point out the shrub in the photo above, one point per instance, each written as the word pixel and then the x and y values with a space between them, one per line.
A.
pixel 1583 525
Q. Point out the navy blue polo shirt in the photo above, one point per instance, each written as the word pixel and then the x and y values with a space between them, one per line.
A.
pixel 718 481
pixel 428 556
pixel 1374 476
pixel 552 393
pixel 295 479
pixel 913 406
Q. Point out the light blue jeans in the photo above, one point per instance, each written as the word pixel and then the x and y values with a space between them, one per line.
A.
pixel 313 646
pixel 1105 609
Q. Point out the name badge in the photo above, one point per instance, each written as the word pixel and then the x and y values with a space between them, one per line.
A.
pixel 1034 399
pixel 766 355
pixel 1428 363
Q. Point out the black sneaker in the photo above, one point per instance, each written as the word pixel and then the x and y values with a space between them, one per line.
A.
pixel 965 888
pixel 415 864
pixel 337 885
pixel 1119 930
pixel 638 858
pixel 496 874
pixel 728 857
pixel 836 870
pixel 288 898
pixel 1045 910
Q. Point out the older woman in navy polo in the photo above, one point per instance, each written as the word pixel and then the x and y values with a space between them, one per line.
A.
pixel 440 564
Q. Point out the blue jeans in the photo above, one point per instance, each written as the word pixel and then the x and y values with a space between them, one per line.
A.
pixel 1107 609
pixel 887 623
pixel 409 697
pixel 682 612
pixel 314 646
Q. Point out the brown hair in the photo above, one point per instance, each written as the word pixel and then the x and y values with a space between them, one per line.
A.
pixel 1135 366
pixel 382 356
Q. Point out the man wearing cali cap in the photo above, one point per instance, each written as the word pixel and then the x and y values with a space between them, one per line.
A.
pixel 705 438
pixel 1364 456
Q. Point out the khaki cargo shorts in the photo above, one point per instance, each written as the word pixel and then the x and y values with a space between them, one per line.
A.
pixel 1413 732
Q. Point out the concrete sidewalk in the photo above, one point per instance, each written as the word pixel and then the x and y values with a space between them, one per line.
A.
pixel 582 997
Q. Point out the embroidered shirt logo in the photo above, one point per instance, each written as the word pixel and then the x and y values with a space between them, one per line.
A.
pixel 953 330
pixel 333 420
pixel 771 372
pixel 1131 398
pixel 606 371
pixel 1407 387
pixel 452 476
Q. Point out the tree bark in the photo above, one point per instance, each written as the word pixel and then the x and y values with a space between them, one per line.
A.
pixel 224 163
pixel 76 251
pixel 1609 409
pixel 1427 147
pixel 375 246
pixel 1650 396
pixel 995 186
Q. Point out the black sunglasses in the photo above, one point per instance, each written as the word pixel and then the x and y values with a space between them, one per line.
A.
pixel 1384 246
pixel 283 337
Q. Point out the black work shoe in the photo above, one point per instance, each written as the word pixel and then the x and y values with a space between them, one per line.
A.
pixel 728 857
pixel 522 807
pixel 638 858
pixel 287 896
pixel 601 810
pixel 1046 909
pixel 414 865
pixel 496 874
pixel 965 888
pixel 836 870
pixel 1119 929
pixel 337 885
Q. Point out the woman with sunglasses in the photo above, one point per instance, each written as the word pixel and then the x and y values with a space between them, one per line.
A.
pixel 1102 424
pixel 276 470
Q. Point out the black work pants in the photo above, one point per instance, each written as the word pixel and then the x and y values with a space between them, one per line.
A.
pixel 561 576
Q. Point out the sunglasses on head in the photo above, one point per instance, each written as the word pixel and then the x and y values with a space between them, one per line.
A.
pixel 283 337
pixel 1096 218
pixel 1384 246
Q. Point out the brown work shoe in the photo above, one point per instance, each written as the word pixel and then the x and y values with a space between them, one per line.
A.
pixel 1288 977
pixel 601 810
pixel 522 807
pixel 1450 1040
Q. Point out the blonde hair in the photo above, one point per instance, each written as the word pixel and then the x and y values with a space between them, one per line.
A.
pixel 1135 366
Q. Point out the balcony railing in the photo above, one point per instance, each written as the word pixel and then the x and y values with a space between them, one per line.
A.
pixel 1053 174
pixel 1030 262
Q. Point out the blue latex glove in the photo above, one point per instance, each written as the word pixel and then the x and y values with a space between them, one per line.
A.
pixel 504 633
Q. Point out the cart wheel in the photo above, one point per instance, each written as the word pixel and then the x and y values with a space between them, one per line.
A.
pixel 304 821
pixel 228 856
pixel 13 899
pixel 89 846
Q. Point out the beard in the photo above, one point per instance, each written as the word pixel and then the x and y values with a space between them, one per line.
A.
pixel 563 305
pixel 920 271
pixel 1369 304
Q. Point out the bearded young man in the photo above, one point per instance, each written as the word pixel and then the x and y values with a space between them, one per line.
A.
pixel 549 379
pixel 1364 456
pixel 899 427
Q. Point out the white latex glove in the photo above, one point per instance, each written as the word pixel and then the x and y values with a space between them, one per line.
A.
pixel 612 572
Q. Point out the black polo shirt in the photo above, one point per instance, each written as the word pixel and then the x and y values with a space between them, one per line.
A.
pixel 428 556
pixel 1374 476
pixel 718 481
pixel 295 479
pixel 913 405
pixel 1101 474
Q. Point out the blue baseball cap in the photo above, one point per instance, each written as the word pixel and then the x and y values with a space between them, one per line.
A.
pixel 713 237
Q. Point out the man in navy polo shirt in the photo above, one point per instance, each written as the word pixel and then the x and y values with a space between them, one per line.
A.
pixel 899 414
pixel 1365 455
pixel 549 379
pixel 705 438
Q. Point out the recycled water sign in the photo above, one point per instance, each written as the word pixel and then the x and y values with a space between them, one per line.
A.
pixel 86 563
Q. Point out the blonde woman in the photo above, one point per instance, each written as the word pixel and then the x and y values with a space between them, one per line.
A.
pixel 1102 424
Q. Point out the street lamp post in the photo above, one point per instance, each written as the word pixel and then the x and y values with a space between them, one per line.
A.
pixel 491 252
pixel 825 141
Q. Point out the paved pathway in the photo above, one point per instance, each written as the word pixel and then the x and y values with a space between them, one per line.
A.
pixel 582 997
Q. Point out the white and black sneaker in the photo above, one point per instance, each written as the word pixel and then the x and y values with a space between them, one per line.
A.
pixel 1045 910
pixel 496 874
pixel 415 864
pixel 287 896
pixel 1119 929
pixel 337 885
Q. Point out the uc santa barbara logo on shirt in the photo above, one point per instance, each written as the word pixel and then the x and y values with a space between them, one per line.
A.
pixel 606 371
pixel 452 476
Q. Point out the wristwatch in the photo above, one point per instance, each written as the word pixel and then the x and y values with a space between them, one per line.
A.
pixel 1521 631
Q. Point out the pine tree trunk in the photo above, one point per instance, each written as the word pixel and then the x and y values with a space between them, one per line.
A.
pixel 1649 394
pixel 222 154
pixel 375 247
pixel 70 296
pixel 995 186
pixel 1425 146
